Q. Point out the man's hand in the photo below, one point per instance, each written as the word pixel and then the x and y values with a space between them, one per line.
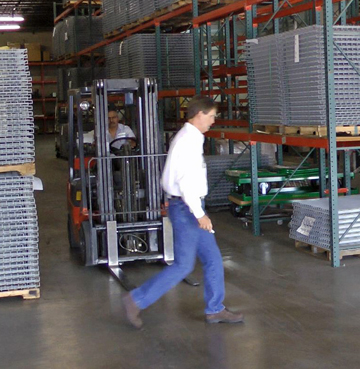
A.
pixel 205 223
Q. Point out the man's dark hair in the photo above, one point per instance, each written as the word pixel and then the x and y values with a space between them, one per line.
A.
pixel 200 103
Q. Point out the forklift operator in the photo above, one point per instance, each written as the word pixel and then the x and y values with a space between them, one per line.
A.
pixel 118 130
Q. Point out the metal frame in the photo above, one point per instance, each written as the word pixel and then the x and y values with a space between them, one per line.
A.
pixel 103 228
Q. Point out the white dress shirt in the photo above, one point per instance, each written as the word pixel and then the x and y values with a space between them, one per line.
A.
pixel 122 131
pixel 185 169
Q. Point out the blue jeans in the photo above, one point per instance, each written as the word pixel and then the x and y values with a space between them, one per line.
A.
pixel 190 242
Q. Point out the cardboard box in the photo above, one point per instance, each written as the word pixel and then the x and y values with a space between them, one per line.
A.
pixel 46 55
pixel 34 55
pixel 34 51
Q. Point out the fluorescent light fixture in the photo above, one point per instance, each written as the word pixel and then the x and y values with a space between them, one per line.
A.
pixel 15 18
pixel 9 27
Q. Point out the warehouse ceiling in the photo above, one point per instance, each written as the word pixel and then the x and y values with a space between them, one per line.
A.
pixel 38 14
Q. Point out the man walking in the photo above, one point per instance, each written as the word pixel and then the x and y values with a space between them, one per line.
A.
pixel 185 181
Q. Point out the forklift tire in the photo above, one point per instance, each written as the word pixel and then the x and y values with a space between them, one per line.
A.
pixel 85 241
pixel 72 242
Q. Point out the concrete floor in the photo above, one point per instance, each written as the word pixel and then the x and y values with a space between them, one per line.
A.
pixel 300 312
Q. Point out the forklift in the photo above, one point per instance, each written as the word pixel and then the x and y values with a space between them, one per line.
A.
pixel 115 202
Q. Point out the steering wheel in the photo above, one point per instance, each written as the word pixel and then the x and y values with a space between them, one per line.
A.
pixel 115 149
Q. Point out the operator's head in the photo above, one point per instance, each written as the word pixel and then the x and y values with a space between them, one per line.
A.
pixel 201 112
pixel 113 118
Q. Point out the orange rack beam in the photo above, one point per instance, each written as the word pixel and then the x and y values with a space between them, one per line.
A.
pixel 225 11
pixel 290 11
pixel 67 11
pixel 184 9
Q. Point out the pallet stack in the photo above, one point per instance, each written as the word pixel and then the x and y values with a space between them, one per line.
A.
pixel 286 77
pixel 135 57
pixel 19 261
pixel 310 223
pixel 74 34
pixel 119 13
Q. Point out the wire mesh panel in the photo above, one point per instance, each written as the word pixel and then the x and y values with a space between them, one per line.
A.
pixel 310 222
pixel 265 84
pixel 117 13
pixel 19 236
pixel 161 4
pixel 346 77
pixel 135 57
pixel 75 34
pixel 286 77
pixel 62 84
pixel 16 109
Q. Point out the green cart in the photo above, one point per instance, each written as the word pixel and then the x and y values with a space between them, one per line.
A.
pixel 304 184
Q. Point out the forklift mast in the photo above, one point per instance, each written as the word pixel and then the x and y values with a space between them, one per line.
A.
pixel 121 196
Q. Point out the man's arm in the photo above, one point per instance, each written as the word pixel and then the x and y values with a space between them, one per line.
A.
pixel 130 133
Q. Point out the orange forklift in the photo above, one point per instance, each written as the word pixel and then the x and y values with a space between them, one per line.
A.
pixel 115 201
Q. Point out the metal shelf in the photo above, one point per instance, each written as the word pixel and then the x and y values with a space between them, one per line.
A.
pixel 71 8
pixel 44 82
pixel 44 100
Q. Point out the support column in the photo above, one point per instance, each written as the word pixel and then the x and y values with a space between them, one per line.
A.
pixel 331 125
pixel 346 171
pixel 196 38
pixel 159 80
pixel 322 172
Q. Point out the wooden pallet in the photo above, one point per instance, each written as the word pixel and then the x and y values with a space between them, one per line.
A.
pixel 179 4
pixel 318 131
pixel 27 169
pixel 33 293
pixel 113 33
pixel 315 250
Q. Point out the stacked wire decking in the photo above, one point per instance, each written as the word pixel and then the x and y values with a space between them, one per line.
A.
pixel 19 267
pixel 346 78
pixel 118 13
pixel 16 110
pixel 75 34
pixel 135 57
pixel 19 261
pixel 310 222
pixel 286 77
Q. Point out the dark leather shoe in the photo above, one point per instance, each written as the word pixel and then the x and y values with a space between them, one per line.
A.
pixel 225 316
pixel 132 311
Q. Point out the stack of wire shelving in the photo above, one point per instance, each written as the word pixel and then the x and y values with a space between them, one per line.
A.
pixel 310 222
pixel 19 262
pixel 118 13
pixel 76 33
pixel 286 72
pixel 135 57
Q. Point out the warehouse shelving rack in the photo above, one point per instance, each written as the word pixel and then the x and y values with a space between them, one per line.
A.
pixel 331 143
pixel 255 13
pixel 46 101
